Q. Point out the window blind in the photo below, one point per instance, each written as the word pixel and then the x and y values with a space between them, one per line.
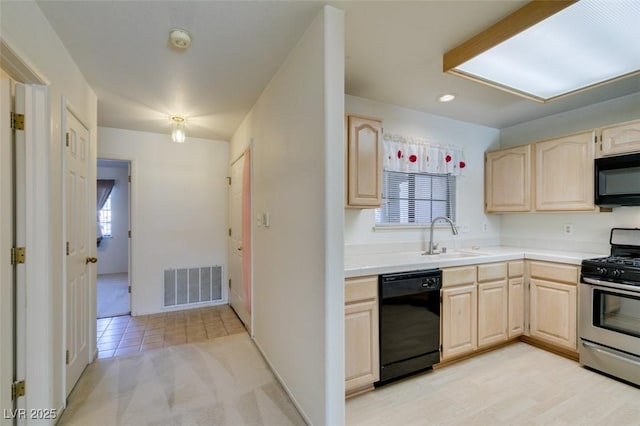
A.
pixel 416 198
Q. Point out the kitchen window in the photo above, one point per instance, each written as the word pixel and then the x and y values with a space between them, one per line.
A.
pixel 416 198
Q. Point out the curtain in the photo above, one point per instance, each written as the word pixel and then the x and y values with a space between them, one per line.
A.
pixel 416 155
pixel 103 191
pixel 246 229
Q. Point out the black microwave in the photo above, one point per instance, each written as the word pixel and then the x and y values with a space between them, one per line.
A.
pixel 617 180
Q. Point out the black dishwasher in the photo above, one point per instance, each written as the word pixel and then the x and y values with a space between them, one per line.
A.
pixel 409 322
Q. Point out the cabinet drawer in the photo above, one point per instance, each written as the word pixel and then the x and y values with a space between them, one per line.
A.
pixel 364 288
pixel 458 276
pixel 516 269
pixel 492 271
pixel 554 272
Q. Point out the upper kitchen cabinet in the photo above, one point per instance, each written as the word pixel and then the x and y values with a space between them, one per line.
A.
pixel 620 138
pixel 508 180
pixel 564 173
pixel 364 162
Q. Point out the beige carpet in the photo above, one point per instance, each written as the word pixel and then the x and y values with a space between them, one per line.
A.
pixel 113 295
pixel 224 382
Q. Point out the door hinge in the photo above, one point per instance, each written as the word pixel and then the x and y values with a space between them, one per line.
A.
pixel 595 138
pixel 229 282
pixel 129 233
pixel 440 348
pixel 17 121
pixel 229 231
pixel 129 289
pixel 67 248
pixel 17 389
pixel 129 179
pixel 67 358
pixel 68 138
pixel 229 180
pixel 18 255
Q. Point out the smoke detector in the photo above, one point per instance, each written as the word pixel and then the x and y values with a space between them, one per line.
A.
pixel 180 38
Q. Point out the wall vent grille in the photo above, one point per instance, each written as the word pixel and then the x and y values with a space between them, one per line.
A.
pixel 187 286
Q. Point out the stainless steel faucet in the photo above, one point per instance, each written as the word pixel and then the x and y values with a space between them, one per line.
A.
pixel 454 230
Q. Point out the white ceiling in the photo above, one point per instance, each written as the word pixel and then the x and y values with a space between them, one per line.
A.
pixel 393 54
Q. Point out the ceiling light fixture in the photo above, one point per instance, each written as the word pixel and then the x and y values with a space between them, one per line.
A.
pixel 180 38
pixel 547 50
pixel 446 98
pixel 178 133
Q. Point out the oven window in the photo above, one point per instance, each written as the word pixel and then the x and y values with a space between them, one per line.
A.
pixel 617 312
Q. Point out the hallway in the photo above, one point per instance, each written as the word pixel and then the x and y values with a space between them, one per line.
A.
pixel 224 381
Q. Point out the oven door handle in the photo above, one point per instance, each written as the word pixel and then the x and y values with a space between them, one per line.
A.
pixel 611 353
pixel 618 286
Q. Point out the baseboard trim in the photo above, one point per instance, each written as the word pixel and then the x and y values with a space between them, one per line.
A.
pixel 474 353
pixel 281 381
pixel 567 353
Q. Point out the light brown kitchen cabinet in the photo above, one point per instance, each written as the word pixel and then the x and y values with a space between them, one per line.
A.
pixel 508 180
pixel 564 173
pixel 553 303
pixel 364 162
pixel 459 320
pixel 492 304
pixel 516 298
pixel 622 138
pixel 362 359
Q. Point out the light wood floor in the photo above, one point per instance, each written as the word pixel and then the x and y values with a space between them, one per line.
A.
pixel 516 385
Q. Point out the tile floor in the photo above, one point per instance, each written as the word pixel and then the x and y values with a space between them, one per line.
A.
pixel 126 335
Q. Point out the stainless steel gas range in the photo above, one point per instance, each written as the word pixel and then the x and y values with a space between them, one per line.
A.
pixel 609 310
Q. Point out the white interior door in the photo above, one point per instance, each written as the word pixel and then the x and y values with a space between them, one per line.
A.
pixel 236 293
pixel 79 266
pixel 6 241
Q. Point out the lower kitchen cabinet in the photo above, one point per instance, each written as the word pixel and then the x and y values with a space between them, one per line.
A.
pixel 362 359
pixel 516 290
pixel 493 313
pixel 516 307
pixel 459 320
pixel 553 314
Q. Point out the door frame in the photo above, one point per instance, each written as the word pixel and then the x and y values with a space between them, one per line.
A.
pixel 130 219
pixel 133 219
pixel 66 108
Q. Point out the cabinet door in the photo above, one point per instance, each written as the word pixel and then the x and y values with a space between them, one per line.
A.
pixel 459 321
pixel 364 162
pixel 620 139
pixel 508 180
pixel 362 365
pixel 516 307
pixel 553 312
pixel 564 173
pixel 492 313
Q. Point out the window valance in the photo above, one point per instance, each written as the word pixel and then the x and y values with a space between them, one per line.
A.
pixel 417 155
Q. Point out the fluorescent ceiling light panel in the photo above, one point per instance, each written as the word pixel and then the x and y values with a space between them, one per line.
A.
pixel 588 43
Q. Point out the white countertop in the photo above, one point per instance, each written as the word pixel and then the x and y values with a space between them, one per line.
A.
pixel 386 263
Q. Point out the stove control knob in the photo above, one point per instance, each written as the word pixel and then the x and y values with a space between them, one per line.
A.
pixel 601 271
pixel 616 273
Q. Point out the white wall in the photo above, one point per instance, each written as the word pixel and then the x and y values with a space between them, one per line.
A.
pixel 178 207
pixel 590 230
pixel 24 29
pixel 297 131
pixel 359 223
pixel 113 253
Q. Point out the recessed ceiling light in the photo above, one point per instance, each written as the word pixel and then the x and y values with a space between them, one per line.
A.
pixel 446 98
